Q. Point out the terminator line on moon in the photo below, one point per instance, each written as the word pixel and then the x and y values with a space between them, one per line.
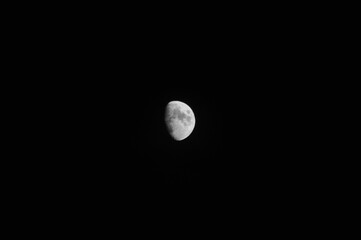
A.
pixel 179 119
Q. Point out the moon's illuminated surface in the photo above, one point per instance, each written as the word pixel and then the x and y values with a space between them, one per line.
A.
pixel 179 119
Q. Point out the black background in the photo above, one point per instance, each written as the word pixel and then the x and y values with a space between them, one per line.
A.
pixel 246 79
pixel 102 82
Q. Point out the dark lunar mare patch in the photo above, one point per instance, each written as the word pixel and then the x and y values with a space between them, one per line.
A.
pixel 184 118
pixel 180 115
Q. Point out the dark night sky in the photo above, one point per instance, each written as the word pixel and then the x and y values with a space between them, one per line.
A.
pixel 245 108
pixel 96 145
pixel 248 81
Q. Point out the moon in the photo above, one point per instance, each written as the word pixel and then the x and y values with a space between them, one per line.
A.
pixel 179 119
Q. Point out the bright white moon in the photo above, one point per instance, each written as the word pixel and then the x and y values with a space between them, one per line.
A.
pixel 179 119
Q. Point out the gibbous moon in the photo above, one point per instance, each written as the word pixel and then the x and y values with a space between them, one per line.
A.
pixel 179 119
